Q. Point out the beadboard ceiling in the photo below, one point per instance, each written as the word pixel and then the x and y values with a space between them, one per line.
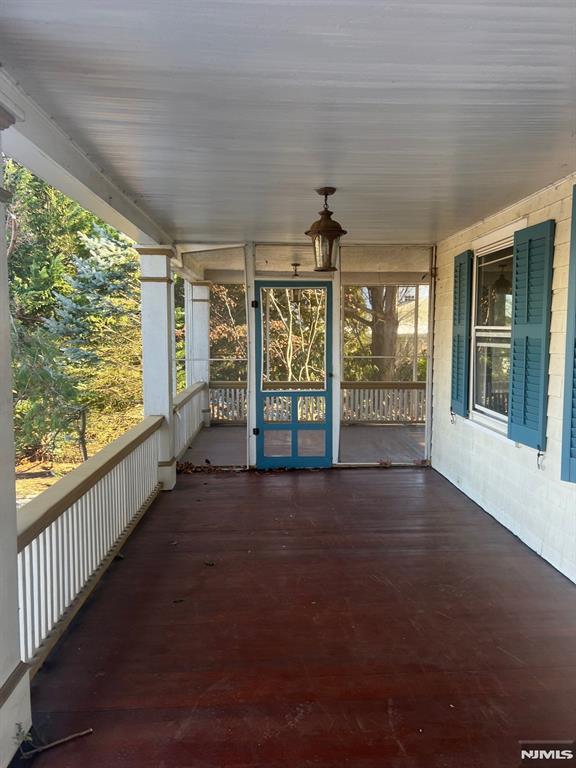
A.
pixel 221 117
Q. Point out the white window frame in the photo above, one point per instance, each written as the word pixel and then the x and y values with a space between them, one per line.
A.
pixel 494 241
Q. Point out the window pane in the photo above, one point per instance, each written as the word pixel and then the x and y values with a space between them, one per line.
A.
pixel 293 338
pixel 385 332
pixel 494 294
pixel 228 369
pixel 228 333
pixel 422 351
pixel 492 374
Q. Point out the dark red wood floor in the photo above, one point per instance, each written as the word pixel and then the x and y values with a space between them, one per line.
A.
pixel 364 618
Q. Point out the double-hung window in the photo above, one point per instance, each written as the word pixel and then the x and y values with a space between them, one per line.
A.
pixel 491 333
pixel 503 341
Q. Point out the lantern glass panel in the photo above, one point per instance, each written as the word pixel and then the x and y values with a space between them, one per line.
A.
pixel 326 252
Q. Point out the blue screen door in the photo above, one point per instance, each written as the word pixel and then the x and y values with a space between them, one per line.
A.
pixel 293 374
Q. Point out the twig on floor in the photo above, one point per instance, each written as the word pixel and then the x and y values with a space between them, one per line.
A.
pixel 56 743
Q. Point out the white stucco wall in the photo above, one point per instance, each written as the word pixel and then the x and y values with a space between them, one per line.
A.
pixel 501 476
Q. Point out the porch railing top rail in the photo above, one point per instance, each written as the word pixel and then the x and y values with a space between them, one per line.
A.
pixel 187 394
pixel 303 386
pixel 268 385
pixel 39 513
pixel 343 385
pixel 383 385
pixel 227 385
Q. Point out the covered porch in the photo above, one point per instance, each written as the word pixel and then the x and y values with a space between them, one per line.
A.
pixel 341 356
pixel 306 610
pixel 356 617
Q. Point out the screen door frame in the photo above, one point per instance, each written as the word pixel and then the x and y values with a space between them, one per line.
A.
pixel 294 460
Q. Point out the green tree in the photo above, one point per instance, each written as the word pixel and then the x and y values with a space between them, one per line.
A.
pixel 379 333
pixel 46 403
pixel 42 226
pixel 98 322
pixel 75 325
pixel 179 329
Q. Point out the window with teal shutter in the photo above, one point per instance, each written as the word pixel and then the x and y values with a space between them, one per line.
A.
pixel 532 295
pixel 461 332
pixel 569 422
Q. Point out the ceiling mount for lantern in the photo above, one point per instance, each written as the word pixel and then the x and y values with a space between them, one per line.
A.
pixel 325 235
pixel 295 265
pixel 325 192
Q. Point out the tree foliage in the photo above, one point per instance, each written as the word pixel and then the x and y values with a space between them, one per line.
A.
pixel 294 334
pixel 384 333
pixel 74 305
pixel 179 330
pixel 380 337
pixel 228 333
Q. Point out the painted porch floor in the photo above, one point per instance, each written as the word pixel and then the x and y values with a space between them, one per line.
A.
pixel 365 618
pixel 366 443
pixel 359 443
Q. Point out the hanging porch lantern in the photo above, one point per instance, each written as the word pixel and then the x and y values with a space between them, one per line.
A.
pixel 326 235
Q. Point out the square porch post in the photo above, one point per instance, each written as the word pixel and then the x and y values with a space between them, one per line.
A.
pixel 250 278
pixel 158 351
pixel 197 338
pixel 14 683
pixel 337 373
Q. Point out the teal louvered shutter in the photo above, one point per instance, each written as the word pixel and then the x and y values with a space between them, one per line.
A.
pixel 532 295
pixel 569 421
pixel 461 332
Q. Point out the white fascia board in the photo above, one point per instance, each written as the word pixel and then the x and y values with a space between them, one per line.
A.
pixel 38 143
pixel 184 248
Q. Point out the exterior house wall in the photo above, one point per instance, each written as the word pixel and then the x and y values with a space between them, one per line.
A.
pixel 501 476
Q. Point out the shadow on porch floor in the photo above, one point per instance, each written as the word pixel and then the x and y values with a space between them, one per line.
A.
pixel 370 618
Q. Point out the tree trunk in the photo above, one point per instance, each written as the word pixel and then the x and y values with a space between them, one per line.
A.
pixel 384 300
pixel 82 435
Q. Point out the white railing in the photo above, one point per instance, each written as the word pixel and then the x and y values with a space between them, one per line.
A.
pixel 277 408
pixel 228 403
pixel 311 408
pixel 69 534
pixel 384 402
pixel 189 416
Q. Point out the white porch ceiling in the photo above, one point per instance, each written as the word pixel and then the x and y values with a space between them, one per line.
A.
pixel 219 118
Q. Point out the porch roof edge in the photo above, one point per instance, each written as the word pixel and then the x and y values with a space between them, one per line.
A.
pixel 38 142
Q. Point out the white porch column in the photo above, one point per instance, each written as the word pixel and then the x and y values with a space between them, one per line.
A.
pixel 14 683
pixel 336 364
pixel 158 352
pixel 249 277
pixel 197 338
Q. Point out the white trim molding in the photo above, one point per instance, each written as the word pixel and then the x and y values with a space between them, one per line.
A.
pixel 498 238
